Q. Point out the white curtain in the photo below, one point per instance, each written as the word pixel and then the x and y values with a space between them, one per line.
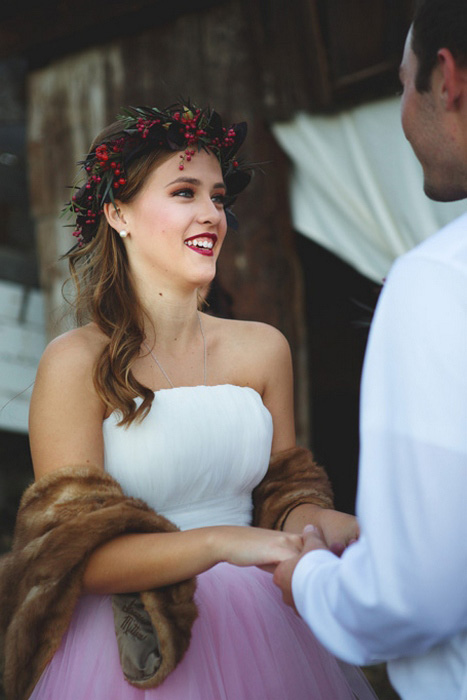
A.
pixel 357 188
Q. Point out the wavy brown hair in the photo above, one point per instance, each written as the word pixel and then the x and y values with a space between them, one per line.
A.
pixel 106 295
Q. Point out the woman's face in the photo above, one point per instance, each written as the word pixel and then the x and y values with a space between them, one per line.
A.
pixel 177 222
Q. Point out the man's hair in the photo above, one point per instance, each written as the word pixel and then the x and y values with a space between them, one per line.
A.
pixel 438 24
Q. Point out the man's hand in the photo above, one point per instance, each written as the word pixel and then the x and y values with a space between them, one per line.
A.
pixel 312 539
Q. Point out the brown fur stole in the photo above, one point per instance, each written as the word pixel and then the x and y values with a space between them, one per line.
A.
pixel 293 479
pixel 62 518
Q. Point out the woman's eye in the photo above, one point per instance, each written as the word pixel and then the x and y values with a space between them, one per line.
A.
pixel 219 198
pixel 185 192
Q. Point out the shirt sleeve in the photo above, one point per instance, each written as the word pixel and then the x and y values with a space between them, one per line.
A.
pixel 401 588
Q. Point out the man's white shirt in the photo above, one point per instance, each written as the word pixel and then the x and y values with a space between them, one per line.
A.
pixel 400 592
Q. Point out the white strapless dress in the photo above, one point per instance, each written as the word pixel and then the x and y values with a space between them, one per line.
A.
pixel 195 459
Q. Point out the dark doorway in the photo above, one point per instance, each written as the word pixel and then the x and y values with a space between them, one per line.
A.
pixel 339 306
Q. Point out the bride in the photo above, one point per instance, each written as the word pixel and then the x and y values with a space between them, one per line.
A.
pixel 149 398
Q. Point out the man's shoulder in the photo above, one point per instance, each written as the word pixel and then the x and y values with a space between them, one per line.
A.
pixel 432 275
pixel 448 246
pixel 433 266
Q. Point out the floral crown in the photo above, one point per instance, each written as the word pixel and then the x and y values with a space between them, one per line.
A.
pixel 184 128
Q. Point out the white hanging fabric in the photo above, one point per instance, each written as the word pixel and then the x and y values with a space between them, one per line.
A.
pixel 356 187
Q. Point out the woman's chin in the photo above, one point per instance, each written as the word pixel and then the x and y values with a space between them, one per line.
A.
pixel 204 279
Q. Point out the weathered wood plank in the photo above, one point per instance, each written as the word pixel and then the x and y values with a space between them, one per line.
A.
pixel 51 28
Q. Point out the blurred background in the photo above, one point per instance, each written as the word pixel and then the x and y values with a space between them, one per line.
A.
pixel 337 197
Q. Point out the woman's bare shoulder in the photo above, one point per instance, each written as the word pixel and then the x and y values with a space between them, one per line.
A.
pixel 67 364
pixel 248 331
pixel 79 348
pixel 257 352
pixel 66 414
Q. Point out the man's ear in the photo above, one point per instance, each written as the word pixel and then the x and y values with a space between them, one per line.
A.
pixel 453 80
pixel 114 215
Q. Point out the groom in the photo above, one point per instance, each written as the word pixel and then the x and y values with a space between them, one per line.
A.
pixel 400 593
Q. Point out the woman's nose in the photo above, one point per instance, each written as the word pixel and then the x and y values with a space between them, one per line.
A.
pixel 209 212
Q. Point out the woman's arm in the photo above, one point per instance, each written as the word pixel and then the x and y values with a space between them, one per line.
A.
pixel 273 365
pixel 339 529
pixel 65 416
pixel 143 561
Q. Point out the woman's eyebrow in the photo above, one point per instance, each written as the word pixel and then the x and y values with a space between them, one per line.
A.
pixel 193 181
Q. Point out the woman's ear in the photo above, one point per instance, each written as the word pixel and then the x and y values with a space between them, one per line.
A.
pixel 114 215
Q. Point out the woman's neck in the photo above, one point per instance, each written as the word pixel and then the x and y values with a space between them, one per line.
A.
pixel 171 319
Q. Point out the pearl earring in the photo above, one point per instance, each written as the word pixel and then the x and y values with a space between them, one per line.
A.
pixel 123 233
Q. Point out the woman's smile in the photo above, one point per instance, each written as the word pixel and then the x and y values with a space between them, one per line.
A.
pixel 202 244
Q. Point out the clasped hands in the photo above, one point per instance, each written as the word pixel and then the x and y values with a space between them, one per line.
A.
pixel 331 530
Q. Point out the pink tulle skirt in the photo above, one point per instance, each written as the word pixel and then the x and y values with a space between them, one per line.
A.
pixel 246 645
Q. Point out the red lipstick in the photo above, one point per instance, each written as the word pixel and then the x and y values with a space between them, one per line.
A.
pixel 202 243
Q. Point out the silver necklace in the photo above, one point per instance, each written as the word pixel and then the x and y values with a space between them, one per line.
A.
pixel 153 355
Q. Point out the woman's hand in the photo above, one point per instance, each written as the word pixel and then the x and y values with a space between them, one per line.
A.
pixel 254 546
pixel 312 539
pixel 338 529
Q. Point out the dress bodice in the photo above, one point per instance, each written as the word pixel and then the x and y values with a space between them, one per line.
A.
pixel 197 455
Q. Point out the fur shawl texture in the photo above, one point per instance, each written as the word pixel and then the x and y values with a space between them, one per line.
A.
pixel 62 518
pixel 293 479
pixel 67 514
